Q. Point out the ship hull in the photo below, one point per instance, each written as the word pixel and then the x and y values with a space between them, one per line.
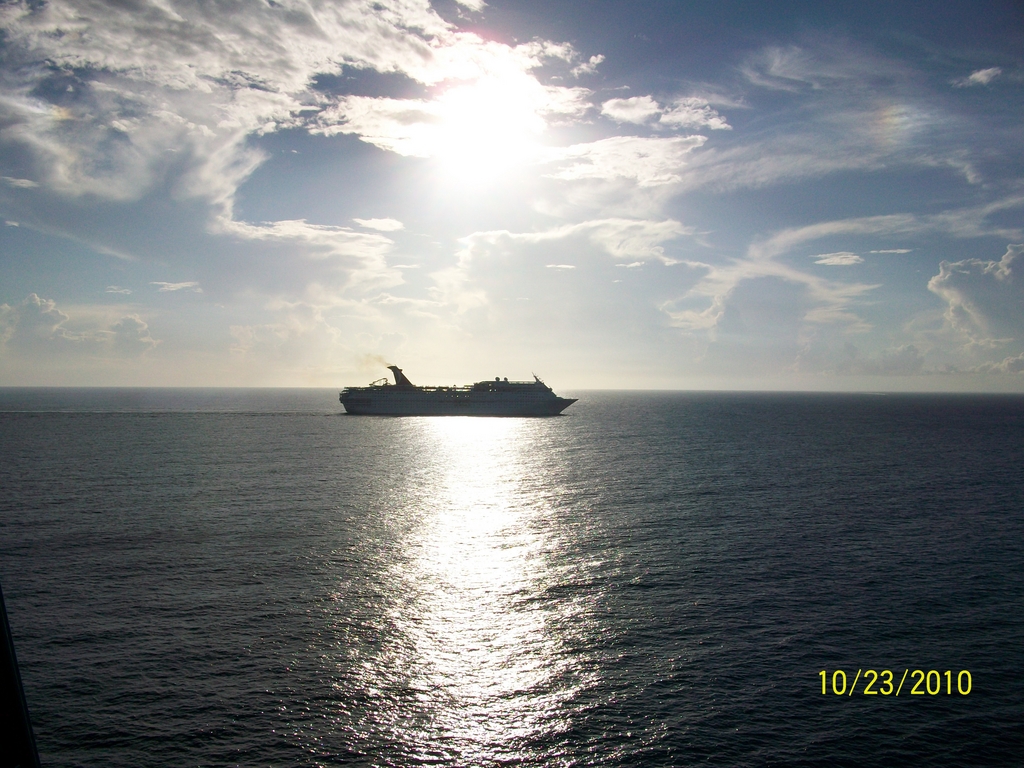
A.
pixel 485 398
pixel 394 404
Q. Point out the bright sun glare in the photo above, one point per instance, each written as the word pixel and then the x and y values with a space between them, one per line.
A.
pixel 486 129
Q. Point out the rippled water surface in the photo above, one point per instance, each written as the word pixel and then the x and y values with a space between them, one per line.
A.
pixel 215 578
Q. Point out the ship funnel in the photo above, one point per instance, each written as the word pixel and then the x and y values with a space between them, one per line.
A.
pixel 400 379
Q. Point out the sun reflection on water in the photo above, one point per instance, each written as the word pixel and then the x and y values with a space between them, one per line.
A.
pixel 469 666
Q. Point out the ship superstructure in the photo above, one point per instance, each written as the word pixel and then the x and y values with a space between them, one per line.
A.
pixel 500 397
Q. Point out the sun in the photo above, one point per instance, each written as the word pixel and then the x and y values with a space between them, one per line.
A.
pixel 486 129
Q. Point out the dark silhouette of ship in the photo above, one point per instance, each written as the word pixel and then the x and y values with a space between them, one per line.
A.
pixel 500 397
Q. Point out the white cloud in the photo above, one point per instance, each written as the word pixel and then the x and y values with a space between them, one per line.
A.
pixel 463 286
pixel 983 298
pixel 360 254
pixel 290 337
pixel 130 336
pixel 847 139
pixel 316 344
pixel 821 63
pixel 37 329
pixel 983 302
pixel 20 183
pixel 1012 364
pixel 636 109
pixel 381 225
pixel 838 259
pixel 979 77
pixel 824 301
pixel 169 91
pixel 497 112
pixel 492 103
pixel 630 238
pixel 785 69
pixel 859 110
pixel 117 289
pixel 270 47
pixel 34 320
pixel 894 250
pixel 961 223
pixel 633 238
pixel 691 112
pixel 170 287
pixel 702 307
pixel 694 112
pixel 588 67
pixel 647 161
pixel 785 240
pixel 409 127
pixel 904 360
pixel 129 101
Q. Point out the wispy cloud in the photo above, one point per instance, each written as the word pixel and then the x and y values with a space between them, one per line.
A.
pixel 651 161
pixel 20 183
pixel 827 302
pixel 693 112
pixel 860 110
pixel 690 112
pixel 975 221
pixel 819 63
pixel 170 287
pixel 979 77
pixel 640 239
pixel 381 225
pixel 463 286
pixel 1011 365
pixel 359 255
pixel 838 259
pixel 849 137
pixel 703 307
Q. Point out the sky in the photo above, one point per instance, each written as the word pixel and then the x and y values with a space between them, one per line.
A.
pixel 657 195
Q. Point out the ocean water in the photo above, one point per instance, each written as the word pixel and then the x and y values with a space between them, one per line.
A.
pixel 251 578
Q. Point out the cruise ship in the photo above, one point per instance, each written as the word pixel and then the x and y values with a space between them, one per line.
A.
pixel 500 397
